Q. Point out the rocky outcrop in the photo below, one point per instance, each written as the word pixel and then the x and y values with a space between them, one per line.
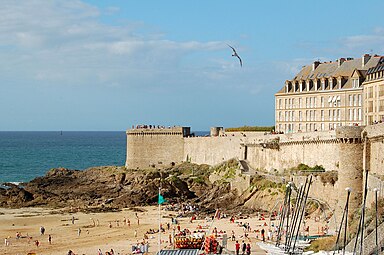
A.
pixel 118 187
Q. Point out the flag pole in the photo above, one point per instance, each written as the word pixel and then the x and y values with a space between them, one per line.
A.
pixel 159 219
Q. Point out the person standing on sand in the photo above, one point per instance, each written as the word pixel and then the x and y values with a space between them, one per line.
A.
pixel 49 239
pixel 135 233
pixel 263 235
pixel 248 249
pixel 243 247
pixel 237 247
pixel 79 231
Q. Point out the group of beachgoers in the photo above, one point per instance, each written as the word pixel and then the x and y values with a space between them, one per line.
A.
pixel 150 127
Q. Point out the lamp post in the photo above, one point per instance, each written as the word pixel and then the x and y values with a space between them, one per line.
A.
pixel 348 189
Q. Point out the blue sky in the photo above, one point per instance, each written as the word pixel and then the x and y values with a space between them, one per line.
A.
pixel 107 65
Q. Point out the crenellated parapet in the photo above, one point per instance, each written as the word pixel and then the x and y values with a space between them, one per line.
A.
pixel 349 134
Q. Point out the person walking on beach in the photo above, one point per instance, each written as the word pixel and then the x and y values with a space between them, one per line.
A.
pixel 248 250
pixel 237 247
pixel 263 235
pixel 79 232
pixel 73 219
pixel 243 247
pixel 42 230
pixel 49 239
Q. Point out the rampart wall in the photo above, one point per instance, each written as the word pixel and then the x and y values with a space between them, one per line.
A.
pixel 349 150
pixel 154 147
pixel 212 150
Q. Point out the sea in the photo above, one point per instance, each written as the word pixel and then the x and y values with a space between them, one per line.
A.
pixel 25 155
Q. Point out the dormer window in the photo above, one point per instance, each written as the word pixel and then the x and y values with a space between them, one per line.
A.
pixel 355 83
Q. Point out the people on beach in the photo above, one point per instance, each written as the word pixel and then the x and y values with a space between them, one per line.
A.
pixel 49 239
pixel 6 241
pixel 78 231
pixel 248 249
pixel 243 247
pixel 42 230
pixel 237 247
pixel 263 234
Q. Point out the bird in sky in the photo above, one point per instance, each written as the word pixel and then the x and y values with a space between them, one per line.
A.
pixel 234 54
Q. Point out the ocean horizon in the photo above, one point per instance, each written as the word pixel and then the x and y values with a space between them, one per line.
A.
pixel 25 155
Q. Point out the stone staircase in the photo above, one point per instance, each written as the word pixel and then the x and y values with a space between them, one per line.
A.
pixel 245 167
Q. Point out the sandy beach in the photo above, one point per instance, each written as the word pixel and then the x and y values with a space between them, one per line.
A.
pixel 98 230
pixel 106 230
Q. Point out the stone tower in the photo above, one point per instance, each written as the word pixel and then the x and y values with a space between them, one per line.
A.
pixel 350 167
pixel 149 147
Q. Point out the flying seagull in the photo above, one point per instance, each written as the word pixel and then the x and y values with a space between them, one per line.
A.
pixel 234 54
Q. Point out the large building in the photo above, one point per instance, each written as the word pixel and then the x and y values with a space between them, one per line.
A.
pixel 323 96
pixel 374 94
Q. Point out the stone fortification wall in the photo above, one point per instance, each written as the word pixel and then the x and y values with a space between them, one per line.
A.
pixel 375 148
pixel 285 151
pixel 212 150
pixel 154 147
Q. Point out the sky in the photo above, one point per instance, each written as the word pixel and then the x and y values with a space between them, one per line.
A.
pixel 107 65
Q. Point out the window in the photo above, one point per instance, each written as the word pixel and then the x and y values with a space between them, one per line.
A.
pixel 354 100
pixel 359 114
pixel 307 115
pixel 280 103
pixel 300 117
pixel 338 114
pixel 314 102
pixel 322 126
pixel 350 114
pixel 322 101
pixel 350 100
pixel 299 126
pixel 285 103
pixel 314 115
pixel 354 114
pixel 330 115
pixel 322 115
pixel 359 100
pixel 293 103
pixel 299 102
pixel 323 85
pixel 355 83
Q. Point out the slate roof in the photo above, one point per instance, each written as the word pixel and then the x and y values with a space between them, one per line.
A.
pixel 332 69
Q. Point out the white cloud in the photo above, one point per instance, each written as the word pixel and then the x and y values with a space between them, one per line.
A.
pixel 64 42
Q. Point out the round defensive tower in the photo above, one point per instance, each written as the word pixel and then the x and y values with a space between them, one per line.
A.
pixel 350 167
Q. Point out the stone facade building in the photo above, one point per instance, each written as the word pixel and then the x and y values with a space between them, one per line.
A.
pixel 373 92
pixel 323 96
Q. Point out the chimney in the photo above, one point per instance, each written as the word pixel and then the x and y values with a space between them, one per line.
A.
pixel 340 61
pixel 315 65
pixel 364 59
